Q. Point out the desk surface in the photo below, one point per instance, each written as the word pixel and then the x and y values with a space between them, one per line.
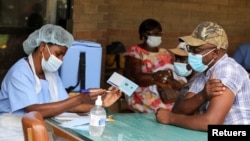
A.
pixel 140 127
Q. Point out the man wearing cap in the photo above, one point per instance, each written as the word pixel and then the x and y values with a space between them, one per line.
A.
pixel 33 83
pixel 222 85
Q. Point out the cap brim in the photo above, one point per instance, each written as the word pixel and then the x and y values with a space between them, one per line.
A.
pixel 178 51
pixel 190 40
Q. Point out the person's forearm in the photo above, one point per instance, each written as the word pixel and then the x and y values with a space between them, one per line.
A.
pixel 194 122
pixel 81 108
pixel 144 79
pixel 189 105
pixel 55 108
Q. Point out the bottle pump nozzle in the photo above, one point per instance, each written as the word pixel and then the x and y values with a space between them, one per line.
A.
pixel 98 100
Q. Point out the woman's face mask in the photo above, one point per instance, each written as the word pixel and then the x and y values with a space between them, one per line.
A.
pixel 52 64
pixel 195 61
pixel 181 69
pixel 153 41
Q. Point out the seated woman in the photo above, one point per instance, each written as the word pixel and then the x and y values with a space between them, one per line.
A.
pixel 149 65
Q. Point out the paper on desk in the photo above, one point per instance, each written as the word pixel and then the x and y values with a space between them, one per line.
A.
pixel 67 116
pixel 78 122
pixel 81 127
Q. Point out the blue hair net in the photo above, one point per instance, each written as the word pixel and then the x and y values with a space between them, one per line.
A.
pixel 49 34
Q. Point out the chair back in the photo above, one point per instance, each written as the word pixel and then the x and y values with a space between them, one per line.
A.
pixel 34 128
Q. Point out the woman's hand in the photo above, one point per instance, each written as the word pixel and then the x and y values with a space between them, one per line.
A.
pixel 162 76
pixel 111 96
pixel 165 78
pixel 90 96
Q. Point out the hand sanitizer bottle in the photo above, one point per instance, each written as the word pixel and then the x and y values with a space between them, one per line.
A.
pixel 97 118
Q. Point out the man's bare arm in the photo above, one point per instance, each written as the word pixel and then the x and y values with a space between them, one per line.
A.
pixel 218 108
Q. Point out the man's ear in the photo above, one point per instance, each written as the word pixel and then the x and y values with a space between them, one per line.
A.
pixel 216 53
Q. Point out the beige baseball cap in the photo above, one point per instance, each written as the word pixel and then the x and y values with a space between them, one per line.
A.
pixel 207 32
pixel 181 49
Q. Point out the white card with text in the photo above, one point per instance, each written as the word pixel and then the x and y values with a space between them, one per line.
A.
pixel 124 84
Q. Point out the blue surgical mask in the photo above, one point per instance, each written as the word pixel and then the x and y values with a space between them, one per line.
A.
pixel 181 69
pixel 195 61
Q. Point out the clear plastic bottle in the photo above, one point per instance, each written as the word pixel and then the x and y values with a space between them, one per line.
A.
pixel 97 118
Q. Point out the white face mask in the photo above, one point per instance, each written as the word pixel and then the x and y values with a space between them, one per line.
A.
pixel 154 41
pixel 52 64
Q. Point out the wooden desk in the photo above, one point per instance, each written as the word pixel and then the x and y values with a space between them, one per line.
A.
pixel 134 127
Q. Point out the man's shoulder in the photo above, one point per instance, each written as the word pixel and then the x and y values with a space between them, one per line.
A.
pixel 226 61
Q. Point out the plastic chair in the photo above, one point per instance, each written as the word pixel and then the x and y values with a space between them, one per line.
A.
pixel 34 128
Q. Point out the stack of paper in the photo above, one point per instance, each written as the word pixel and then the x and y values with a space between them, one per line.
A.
pixel 73 120
pixel 67 116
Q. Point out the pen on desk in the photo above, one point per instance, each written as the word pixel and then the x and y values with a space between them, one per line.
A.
pixel 92 90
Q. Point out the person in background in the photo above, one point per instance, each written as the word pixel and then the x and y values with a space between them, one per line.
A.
pixel 35 19
pixel 223 89
pixel 147 64
pixel 182 68
pixel 33 82
pixel 242 56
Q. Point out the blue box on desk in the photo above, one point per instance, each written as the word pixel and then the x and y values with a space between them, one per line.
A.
pixel 91 68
